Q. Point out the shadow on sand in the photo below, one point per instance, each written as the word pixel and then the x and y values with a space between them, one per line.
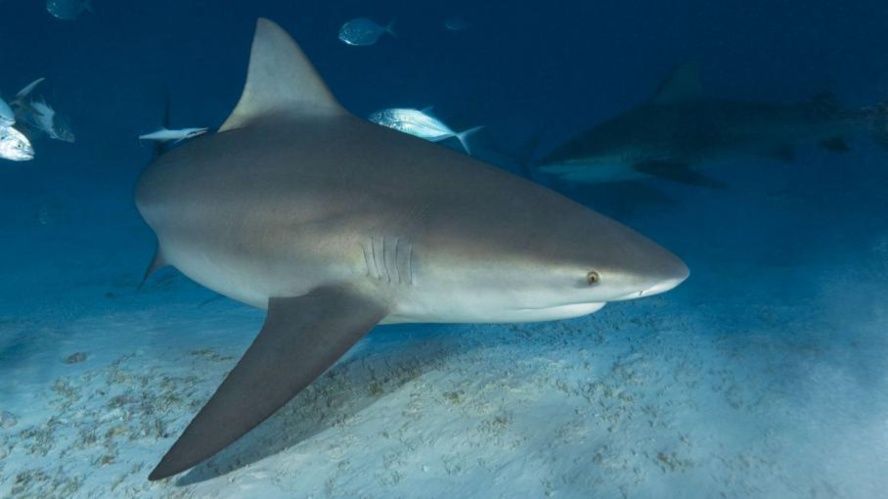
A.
pixel 386 360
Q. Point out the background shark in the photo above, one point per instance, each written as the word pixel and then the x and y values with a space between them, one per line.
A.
pixel 679 127
pixel 334 225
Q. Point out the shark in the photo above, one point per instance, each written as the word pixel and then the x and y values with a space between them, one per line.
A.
pixel 679 129
pixel 334 225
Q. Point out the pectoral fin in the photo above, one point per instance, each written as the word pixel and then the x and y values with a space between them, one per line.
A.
pixel 677 172
pixel 301 338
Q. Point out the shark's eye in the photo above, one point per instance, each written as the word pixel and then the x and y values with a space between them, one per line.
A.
pixel 592 278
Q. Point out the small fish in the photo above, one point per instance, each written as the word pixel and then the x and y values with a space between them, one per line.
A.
pixel 14 145
pixel 20 105
pixel 363 31
pixel 7 115
pixel 62 128
pixel 38 116
pixel 44 118
pixel 420 124
pixel 68 10
pixel 41 117
pixel 165 134
pixel 456 23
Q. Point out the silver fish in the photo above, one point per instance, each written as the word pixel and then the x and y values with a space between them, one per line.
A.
pixel 41 117
pixel 68 10
pixel 7 116
pixel 21 105
pixel 14 146
pixel 363 31
pixel 62 129
pixel 418 123
pixel 165 134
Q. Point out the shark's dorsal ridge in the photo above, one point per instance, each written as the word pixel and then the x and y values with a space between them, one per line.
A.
pixel 682 85
pixel 280 80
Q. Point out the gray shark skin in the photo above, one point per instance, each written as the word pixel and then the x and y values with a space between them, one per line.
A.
pixel 334 225
pixel 679 128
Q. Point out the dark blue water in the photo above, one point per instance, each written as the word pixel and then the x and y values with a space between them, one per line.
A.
pixel 521 66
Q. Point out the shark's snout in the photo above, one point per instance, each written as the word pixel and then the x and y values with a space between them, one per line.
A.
pixel 666 284
pixel 640 268
pixel 668 272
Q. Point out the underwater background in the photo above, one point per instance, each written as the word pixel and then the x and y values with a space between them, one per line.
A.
pixel 763 375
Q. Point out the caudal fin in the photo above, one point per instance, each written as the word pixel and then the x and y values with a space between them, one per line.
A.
pixel 464 135
pixel 873 119
pixel 390 28
pixel 878 122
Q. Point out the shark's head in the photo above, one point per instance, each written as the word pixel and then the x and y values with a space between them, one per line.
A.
pixel 626 267
pixel 602 261
pixel 622 140
pixel 567 266
pixel 656 130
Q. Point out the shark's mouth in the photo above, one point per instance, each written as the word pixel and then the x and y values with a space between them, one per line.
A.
pixel 656 289
pixel 592 306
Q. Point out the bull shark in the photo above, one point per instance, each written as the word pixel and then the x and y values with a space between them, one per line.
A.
pixel 679 128
pixel 335 224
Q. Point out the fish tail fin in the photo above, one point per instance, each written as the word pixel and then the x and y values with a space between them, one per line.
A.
pixel 464 135
pixel 390 28
pixel 880 124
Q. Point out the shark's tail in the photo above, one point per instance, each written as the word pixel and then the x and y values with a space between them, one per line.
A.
pixel 464 135
pixel 877 120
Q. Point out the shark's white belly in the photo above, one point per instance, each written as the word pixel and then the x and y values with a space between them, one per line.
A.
pixel 254 283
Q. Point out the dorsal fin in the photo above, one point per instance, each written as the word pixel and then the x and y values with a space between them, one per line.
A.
pixel 161 147
pixel 682 84
pixel 280 80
